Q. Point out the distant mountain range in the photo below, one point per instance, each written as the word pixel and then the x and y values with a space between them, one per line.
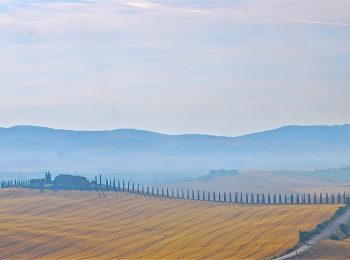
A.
pixel 33 149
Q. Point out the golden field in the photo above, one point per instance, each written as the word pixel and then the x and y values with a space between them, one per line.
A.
pixel 75 225
pixel 329 249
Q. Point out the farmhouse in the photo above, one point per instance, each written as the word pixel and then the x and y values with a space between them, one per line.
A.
pixel 65 181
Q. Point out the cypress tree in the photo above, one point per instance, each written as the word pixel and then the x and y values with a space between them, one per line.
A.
pixel 192 194
pixel 183 194
pixel 213 195
pixel 321 199
pixel 203 196
pixel 128 186
pixel 172 192
pixel 257 199
pixel 263 198
pixel 123 186
pixel 198 197
pixel 339 199
pixel 219 197
pixel 147 190
pixel 252 198
pixel 188 194
pixel 114 184
pixel 327 198
pixel 100 181
pixel 285 199
pixel 157 191
pixel 208 195
pixel 268 199
pixel 224 196
pixel 167 192
pixel 177 193
pixel 241 198
pixel 230 197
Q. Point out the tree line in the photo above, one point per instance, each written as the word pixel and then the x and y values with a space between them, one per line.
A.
pixel 200 195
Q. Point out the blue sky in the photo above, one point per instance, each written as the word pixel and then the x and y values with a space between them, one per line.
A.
pixel 223 67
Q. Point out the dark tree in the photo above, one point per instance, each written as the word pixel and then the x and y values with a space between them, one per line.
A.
pixel 315 198
pixel 230 197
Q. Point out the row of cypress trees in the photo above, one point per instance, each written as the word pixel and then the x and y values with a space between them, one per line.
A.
pixel 236 197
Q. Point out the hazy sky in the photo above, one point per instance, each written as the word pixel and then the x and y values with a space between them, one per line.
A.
pixel 223 68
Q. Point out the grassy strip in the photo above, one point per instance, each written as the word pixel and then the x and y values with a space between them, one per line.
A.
pixel 306 235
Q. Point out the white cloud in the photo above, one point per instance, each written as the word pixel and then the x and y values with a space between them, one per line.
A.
pixel 319 22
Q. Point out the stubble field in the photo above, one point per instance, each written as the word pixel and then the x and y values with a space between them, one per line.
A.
pixel 75 225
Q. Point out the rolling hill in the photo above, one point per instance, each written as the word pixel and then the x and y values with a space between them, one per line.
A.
pixel 31 149
pixel 114 225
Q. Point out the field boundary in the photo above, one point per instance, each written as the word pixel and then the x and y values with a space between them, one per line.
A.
pixel 308 239
pixel 244 198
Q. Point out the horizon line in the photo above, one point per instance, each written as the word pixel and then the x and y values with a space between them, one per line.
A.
pixel 170 134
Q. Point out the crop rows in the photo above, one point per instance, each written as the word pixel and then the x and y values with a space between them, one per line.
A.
pixel 86 224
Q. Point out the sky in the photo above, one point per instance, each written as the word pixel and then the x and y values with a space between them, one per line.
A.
pixel 213 67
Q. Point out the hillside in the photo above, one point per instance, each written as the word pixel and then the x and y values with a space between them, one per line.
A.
pixel 34 149
pixel 75 224
pixel 328 249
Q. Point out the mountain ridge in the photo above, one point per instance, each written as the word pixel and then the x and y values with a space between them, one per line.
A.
pixel 31 148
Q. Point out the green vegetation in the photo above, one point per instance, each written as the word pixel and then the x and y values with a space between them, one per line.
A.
pixel 306 235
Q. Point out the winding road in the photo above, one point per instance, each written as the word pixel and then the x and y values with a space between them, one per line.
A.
pixel 317 238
